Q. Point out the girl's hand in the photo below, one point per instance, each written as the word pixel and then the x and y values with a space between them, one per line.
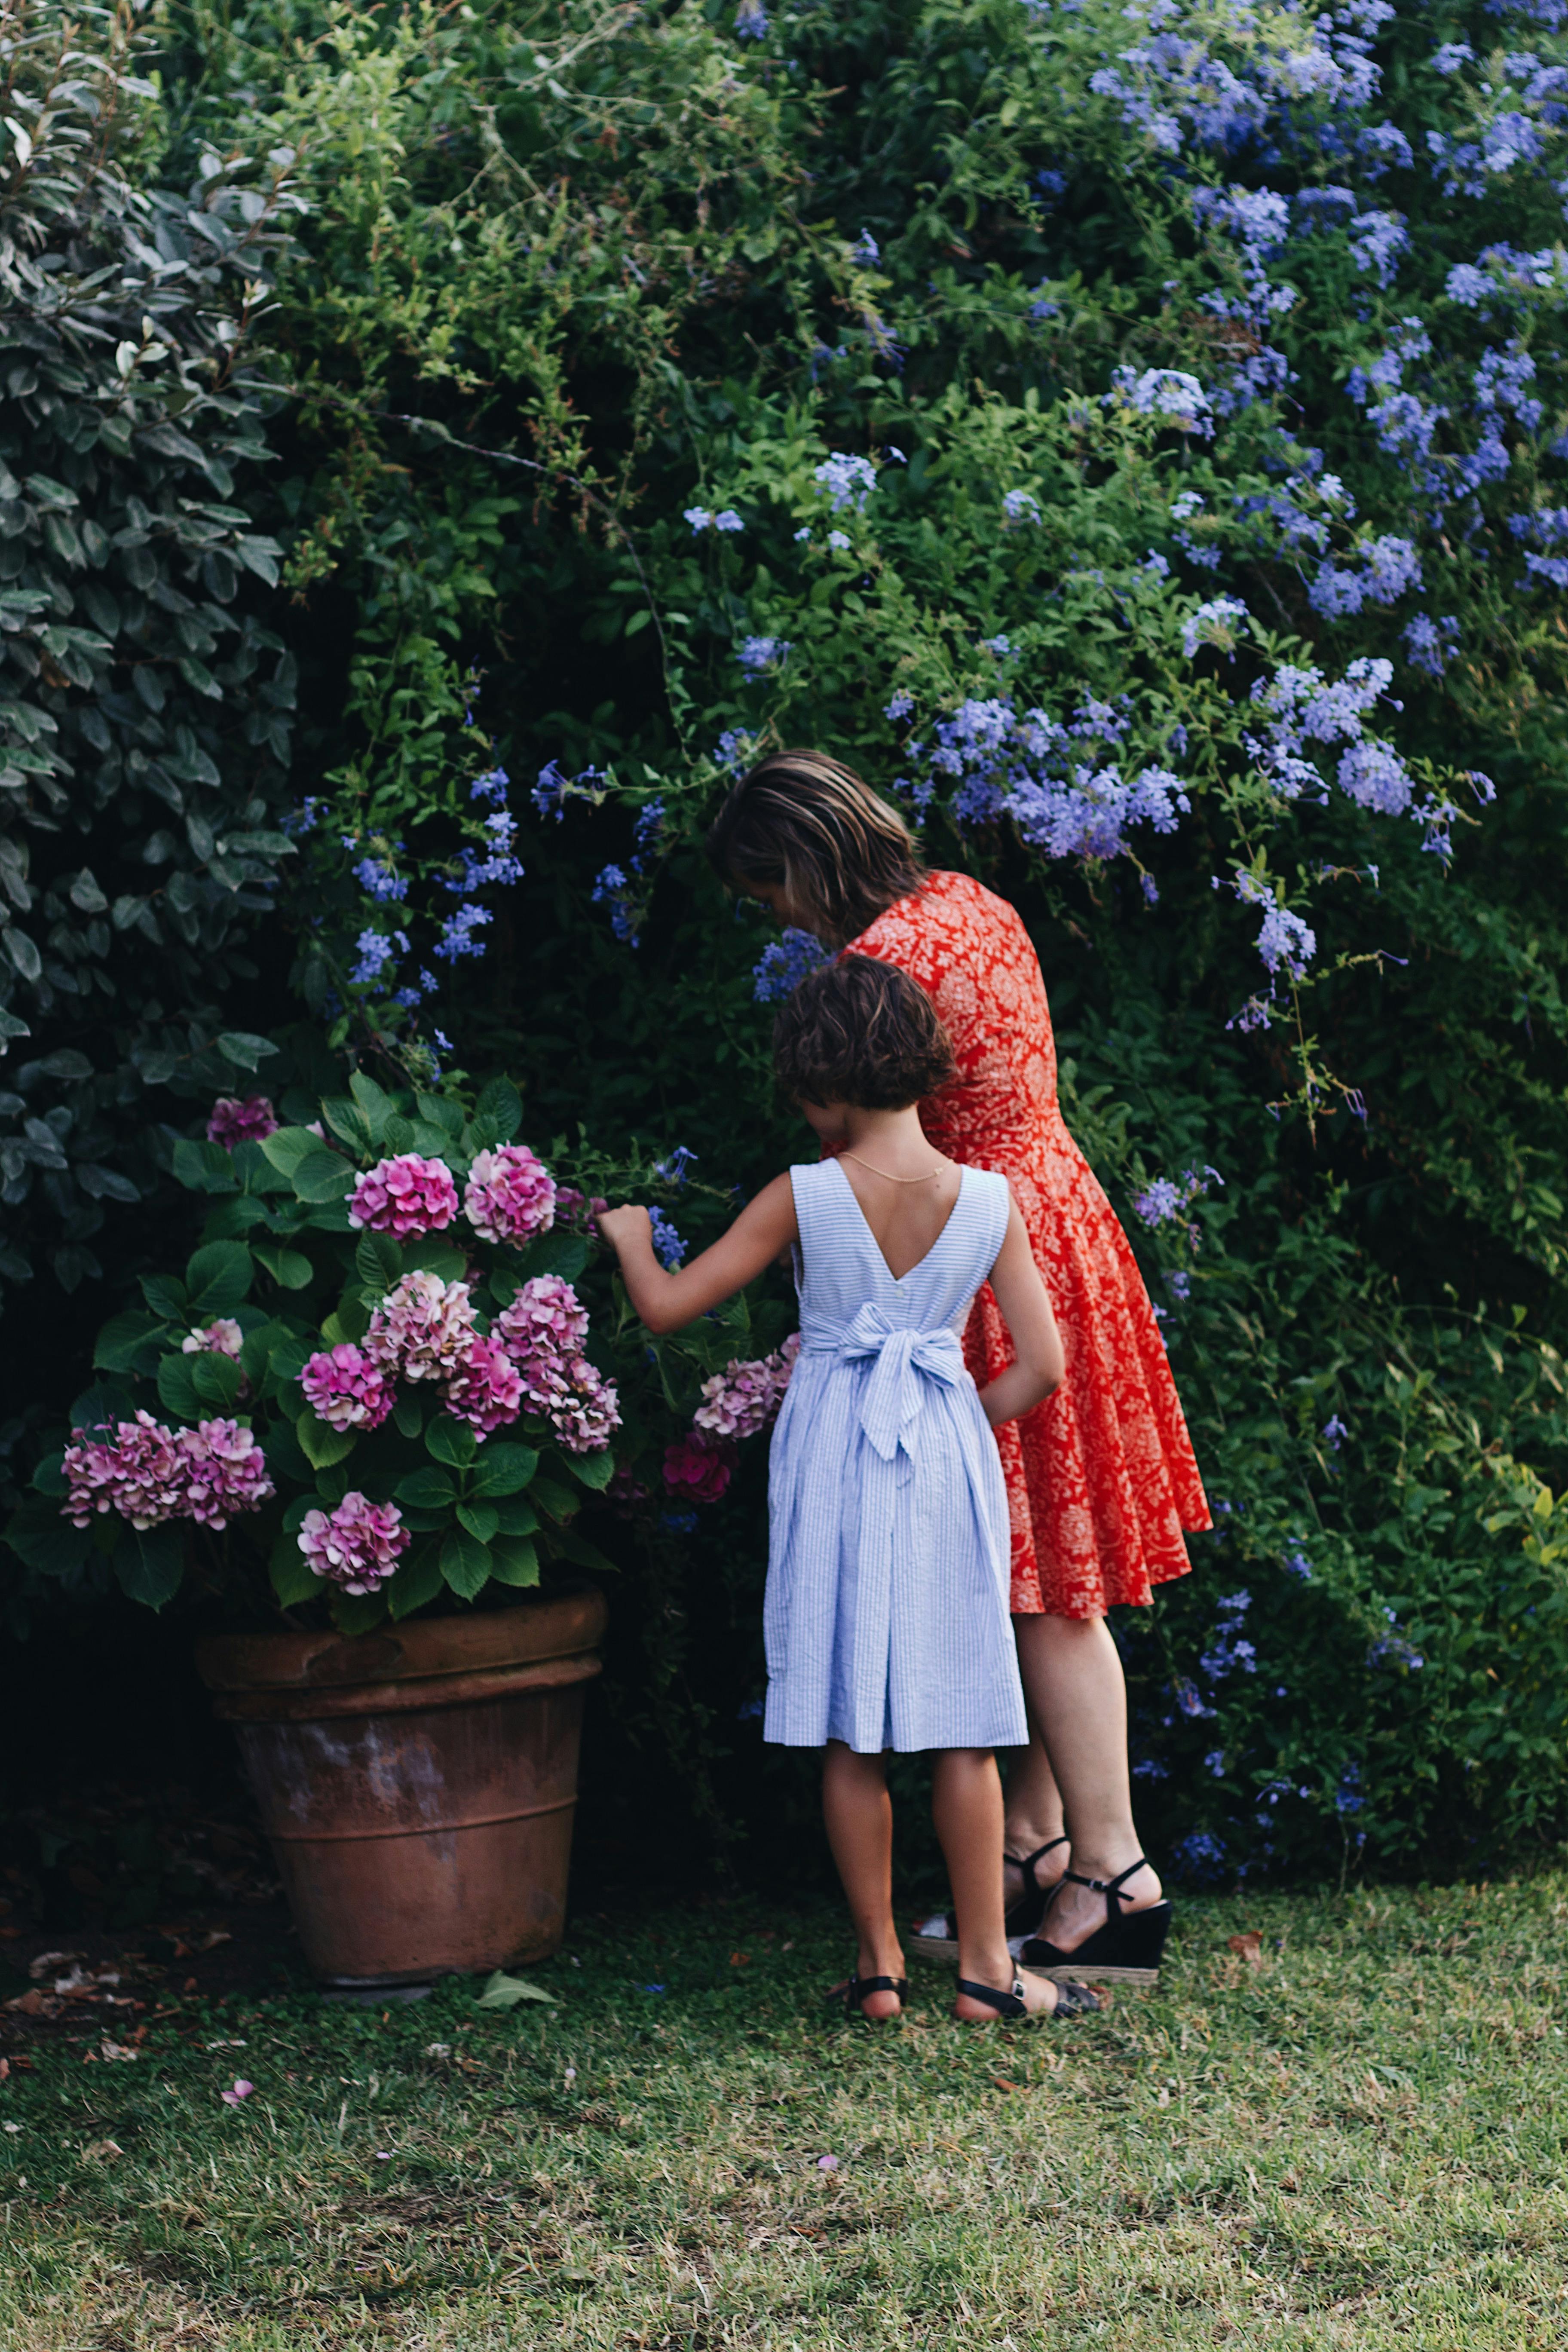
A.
pixel 624 1228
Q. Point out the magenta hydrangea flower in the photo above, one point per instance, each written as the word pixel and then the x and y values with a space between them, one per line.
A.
pixel 226 1472
pixel 509 1195
pixel 576 1209
pixel 572 1395
pixel 149 1474
pixel 404 1195
pixel 487 1388
pixel 546 1319
pixel 346 1388
pixel 139 1474
pixel 241 1118
pixel 357 1546
pixel 698 1467
pixel 422 1329
pixel 744 1397
pixel 222 1338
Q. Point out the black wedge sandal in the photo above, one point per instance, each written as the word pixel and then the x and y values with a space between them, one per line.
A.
pixel 936 1938
pixel 854 1992
pixel 1072 2001
pixel 1126 1951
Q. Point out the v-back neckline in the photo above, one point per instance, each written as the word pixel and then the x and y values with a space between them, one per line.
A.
pixel 876 1245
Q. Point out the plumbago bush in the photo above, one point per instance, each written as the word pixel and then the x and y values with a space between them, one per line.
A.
pixel 1135 438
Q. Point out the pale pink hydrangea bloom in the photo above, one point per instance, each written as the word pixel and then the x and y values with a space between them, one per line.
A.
pixel 222 1338
pixel 744 1397
pixel 148 1475
pixel 357 1546
pixel 546 1319
pixel 487 1388
pixel 404 1195
pixel 139 1474
pixel 241 1118
pixel 226 1472
pixel 509 1195
pixel 423 1328
pixel 572 1395
pixel 346 1389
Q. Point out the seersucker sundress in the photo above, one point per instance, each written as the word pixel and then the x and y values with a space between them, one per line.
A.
pixel 886 1611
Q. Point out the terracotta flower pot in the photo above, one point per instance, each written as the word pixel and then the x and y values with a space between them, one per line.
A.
pixel 418 1783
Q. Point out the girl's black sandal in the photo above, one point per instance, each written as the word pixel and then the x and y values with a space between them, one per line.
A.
pixel 1072 1999
pixel 1126 1951
pixel 938 1940
pixel 858 1987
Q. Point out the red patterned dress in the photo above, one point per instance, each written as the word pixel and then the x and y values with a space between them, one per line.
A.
pixel 1102 1477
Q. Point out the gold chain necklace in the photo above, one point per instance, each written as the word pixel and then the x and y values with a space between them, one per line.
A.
pixel 883 1173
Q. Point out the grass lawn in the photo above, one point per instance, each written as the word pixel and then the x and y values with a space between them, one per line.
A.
pixel 1356 2137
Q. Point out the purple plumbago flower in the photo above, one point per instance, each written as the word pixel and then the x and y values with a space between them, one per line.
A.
pixel 785 963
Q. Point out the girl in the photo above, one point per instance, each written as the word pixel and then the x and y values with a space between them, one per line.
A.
pixel 886 1608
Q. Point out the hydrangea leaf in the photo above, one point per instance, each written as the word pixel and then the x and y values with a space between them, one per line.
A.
pixel 594 1470
pixel 321 1176
pixel 321 1445
pixel 149 1563
pixel 514 1561
pixel 465 1564
pixel 504 1469
pixel 452 1442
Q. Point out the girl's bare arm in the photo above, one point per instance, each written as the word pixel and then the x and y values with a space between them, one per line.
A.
pixel 1036 1343
pixel 764 1227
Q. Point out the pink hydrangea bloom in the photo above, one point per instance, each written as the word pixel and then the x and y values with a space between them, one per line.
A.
pixel 357 1546
pixel 222 1338
pixel 404 1195
pixel 744 1397
pixel 139 1474
pixel 572 1395
pixel 574 1208
pixel 345 1387
pixel 546 1319
pixel 487 1388
pixel 226 1472
pixel 509 1195
pixel 423 1328
pixel 698 1467
pixel 150 1475
pixel 241 1118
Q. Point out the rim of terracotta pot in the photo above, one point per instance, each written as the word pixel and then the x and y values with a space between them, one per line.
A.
pixel 542 1627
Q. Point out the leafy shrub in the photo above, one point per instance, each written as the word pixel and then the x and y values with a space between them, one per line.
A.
pixel 144 704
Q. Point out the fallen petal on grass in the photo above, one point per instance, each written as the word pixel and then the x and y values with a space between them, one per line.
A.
pixel 240 2092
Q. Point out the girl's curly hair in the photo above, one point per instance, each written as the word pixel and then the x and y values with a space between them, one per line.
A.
pixel 864 1032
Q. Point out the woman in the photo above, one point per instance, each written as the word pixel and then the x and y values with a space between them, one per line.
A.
pixel 1100 1478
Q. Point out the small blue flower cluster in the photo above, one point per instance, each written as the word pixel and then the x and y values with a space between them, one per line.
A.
pixel 669 1246
pixel 785 963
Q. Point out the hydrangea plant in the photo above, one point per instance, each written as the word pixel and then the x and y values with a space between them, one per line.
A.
pixel 372 1388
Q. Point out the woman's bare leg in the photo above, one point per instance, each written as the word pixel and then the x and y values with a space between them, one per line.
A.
pixel 1034 1805
pixel 966 1806
pixel 1073 1681
pixel 859 1813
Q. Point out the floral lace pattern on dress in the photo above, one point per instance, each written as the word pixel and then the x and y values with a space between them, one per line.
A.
pixel 1101 1478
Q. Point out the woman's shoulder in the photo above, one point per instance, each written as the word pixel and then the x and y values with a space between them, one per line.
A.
pixel 946 904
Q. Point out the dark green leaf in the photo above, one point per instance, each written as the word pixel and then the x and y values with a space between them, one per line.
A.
pixel 426 1490
pixel 566 1544
pixel 376 1106
pixel 515 1516
pixel 217 1380
pixel 128 1343
pixel 151 1564
pixel 323 1175
pixel 452 1442
pixel 465 1564
pixel 177 1390
pixel 291 1269
pixel 408 1415
pixel 293 1578
pixel 320 1444
pixel 504 1469
pixel 501 1102
pixel 244 1050
pixel 37 1534
pixel 166 1297
pixel 218 1278
pixel 378 1261
pixel 436 1258
pixel 514 1562
pixel 480 1519
pixel 204 1167
pixel 416 1582
pixel 595 1470
pixel 286 1147
pixel 562 1254
pixel 354 1612
pixel 555 1502
pixel 102 1406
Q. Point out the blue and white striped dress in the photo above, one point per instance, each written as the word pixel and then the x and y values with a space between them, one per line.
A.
pixel 886 1611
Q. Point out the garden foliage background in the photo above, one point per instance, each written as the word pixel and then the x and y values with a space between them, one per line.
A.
pixel 1136 436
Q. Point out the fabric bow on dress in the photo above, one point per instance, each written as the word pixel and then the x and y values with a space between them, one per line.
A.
pixel 905 1361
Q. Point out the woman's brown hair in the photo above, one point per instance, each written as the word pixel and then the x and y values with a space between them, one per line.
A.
pixel 807 821
pixel 861 1031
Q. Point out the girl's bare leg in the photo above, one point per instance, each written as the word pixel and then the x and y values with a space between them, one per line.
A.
pixel 1073 1681
pixel 966 1806
pixel 859 1813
